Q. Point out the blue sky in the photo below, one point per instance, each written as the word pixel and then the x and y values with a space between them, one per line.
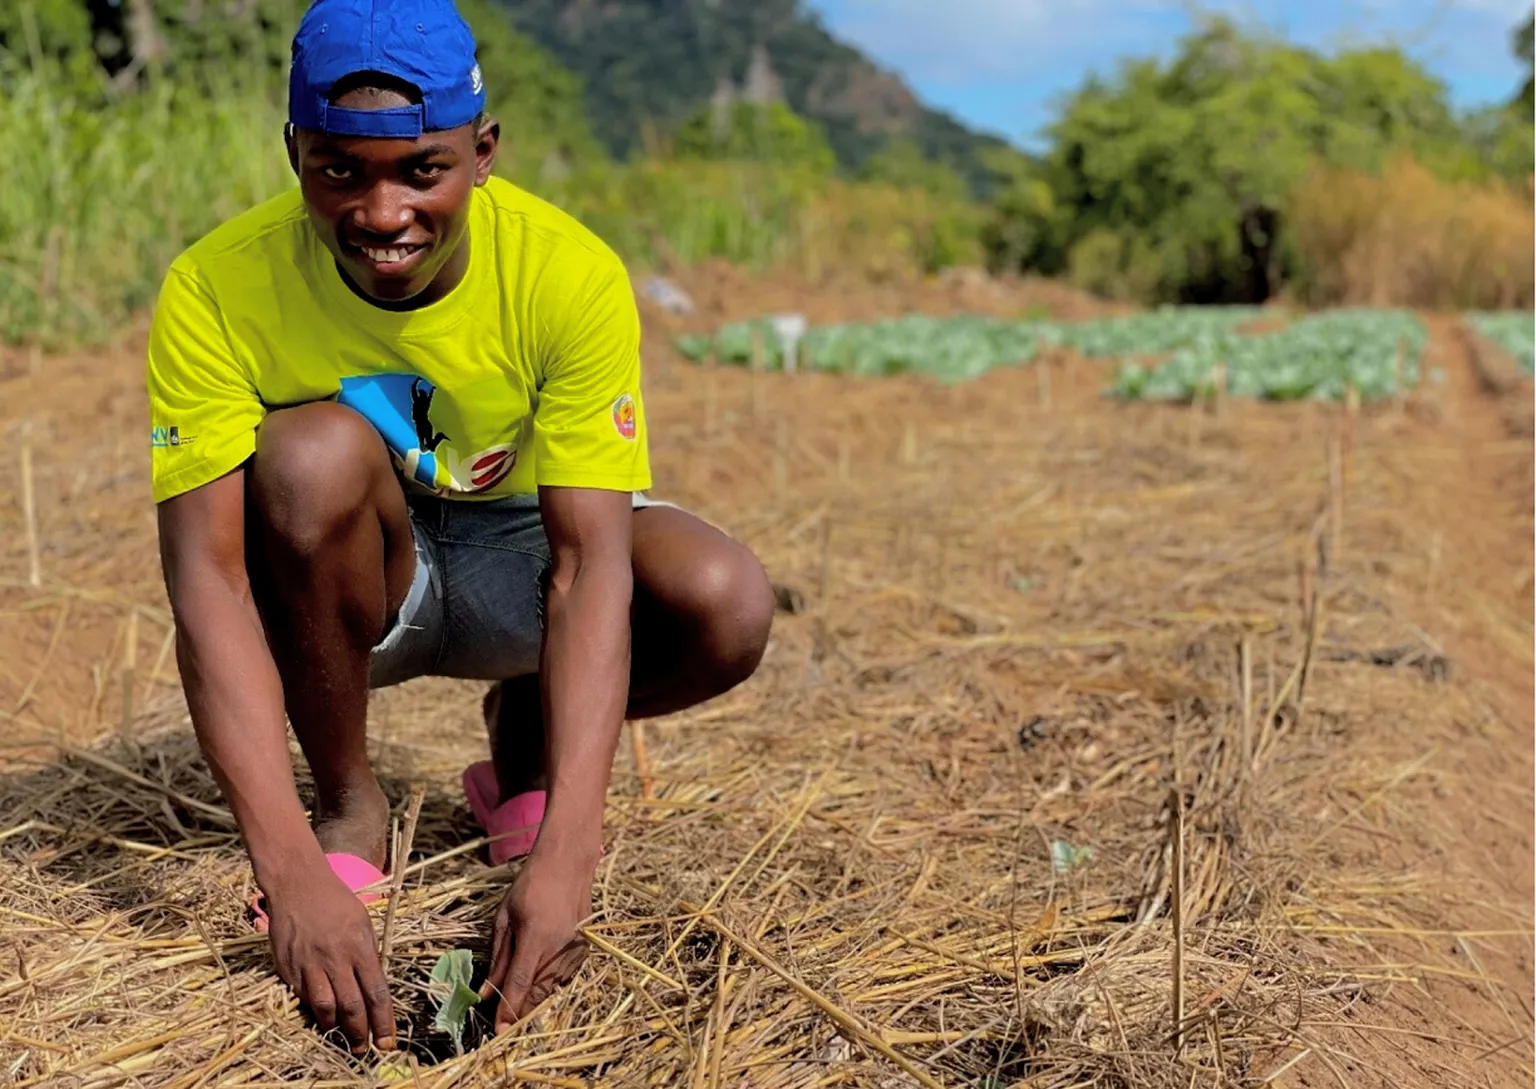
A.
pixel 1000 64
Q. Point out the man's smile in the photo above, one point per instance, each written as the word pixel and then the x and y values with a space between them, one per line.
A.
pixel 392 260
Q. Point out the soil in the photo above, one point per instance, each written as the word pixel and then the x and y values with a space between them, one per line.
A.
pixel 1475 819
pixel 1018 612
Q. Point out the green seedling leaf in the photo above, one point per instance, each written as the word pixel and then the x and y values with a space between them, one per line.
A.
pixel 451 991
pixel 1065 857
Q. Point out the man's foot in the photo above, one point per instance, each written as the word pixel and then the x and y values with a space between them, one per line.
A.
pixel 356 824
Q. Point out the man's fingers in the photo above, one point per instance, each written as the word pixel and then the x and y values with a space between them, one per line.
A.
pixel 288 973
pixel 501 957
pixel 381 1011
pixel 564 965
pixel 378 1009
pixel 514 989
pixel 351 1010
pixel 316 993
pixel 530 983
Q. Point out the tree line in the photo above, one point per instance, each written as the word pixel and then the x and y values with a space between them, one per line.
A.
pixel 1177 179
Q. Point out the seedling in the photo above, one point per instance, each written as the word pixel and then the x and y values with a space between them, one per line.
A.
pixel 1065 857
pixel 454 996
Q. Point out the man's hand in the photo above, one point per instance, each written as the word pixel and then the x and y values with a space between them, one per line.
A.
pixel 323 942
pixel 534 946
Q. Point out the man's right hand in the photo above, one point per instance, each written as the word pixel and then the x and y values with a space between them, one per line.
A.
pixel 322 939
pixel 324 945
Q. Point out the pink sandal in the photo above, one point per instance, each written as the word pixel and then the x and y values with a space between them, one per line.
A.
pixel 356 873
pixel 514 824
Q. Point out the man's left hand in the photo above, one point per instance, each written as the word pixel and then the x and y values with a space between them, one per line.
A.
pixel 535 948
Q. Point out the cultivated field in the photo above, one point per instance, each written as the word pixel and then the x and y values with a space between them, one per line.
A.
pixel 1099 743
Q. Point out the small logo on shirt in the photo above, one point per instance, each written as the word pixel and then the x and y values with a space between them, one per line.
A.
pixel 490 467
pixel 625 419
pixel 164 437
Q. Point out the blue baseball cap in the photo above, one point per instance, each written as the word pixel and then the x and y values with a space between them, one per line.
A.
pixel 426 43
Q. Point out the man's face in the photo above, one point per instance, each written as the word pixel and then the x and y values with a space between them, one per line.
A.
pixel 394 212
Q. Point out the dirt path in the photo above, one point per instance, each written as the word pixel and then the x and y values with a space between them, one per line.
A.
pixel 1463 811
pixel 1484 493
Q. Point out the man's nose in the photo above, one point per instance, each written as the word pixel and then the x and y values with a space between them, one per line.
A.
pixel 385 210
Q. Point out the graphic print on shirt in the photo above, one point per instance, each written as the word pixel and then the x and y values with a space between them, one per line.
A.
pixel 421 409
pixel 399 407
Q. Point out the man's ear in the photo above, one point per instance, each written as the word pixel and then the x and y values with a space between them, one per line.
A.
pixel 291 142
pixel 487 140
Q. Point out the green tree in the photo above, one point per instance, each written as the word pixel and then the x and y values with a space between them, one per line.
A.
pixel 48 34
pixel 537 100
pixel 901 163
pixel 32 29
pixel 746 131
pixel 114 48
pixel 1503 134
pixel 1521 44
pixel 1170 181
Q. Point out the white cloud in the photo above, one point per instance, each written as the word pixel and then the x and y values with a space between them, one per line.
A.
pixel 958 42
pixel 1510 10
pixel 1003 65
pixel 969 40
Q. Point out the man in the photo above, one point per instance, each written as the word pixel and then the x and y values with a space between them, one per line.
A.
pixel 410 440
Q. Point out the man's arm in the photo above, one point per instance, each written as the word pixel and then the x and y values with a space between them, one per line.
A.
pixel 321 935
pixel 589 450
pixel 584 670
pixel 232 686
pixel 584 676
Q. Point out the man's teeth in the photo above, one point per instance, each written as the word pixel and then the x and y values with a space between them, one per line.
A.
pixel 398 253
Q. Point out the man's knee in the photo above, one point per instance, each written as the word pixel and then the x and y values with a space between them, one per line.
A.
pixel 733 602
pixel 315 472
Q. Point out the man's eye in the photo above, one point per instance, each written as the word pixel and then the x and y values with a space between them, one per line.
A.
pixel 336 173
pixel 430 170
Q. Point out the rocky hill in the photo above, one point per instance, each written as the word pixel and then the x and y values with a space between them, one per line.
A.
pixel 648 64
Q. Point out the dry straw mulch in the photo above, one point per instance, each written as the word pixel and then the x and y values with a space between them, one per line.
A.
pixel 1281 722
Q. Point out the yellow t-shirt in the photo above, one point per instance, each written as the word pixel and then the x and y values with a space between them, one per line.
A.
pixel 526 374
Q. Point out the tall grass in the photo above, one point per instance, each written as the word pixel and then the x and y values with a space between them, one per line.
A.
pixel 99 198
pixel 1408 238
pixel 95 203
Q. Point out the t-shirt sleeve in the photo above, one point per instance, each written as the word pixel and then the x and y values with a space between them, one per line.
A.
pixel 589 429
pixel 203 407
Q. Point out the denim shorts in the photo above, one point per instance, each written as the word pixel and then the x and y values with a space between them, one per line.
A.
pixel 475 607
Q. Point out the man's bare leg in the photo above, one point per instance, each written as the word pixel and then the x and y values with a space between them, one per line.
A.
pixel 702 612
pixel 330 557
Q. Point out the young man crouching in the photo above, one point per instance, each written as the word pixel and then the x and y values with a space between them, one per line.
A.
pixel 399 432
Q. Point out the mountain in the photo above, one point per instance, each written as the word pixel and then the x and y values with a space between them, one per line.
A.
pixel 653 63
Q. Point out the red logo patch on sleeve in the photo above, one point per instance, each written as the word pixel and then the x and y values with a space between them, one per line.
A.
pixel 625 417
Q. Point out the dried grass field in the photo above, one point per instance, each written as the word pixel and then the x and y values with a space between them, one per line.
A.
pixel 1098 744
